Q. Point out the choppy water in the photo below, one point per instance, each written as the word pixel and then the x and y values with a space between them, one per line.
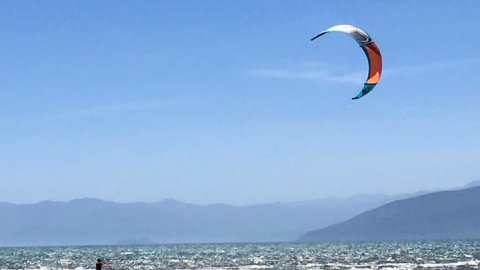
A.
pixel 407 255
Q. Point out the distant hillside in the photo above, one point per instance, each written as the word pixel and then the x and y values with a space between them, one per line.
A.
pixel 472 184
pixel 440 215
pixel 92 221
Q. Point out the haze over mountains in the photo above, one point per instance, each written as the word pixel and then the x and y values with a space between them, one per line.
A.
pixel 92 221
pixel 441 215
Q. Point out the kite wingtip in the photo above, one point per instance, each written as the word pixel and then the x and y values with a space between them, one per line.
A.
pixel 317 36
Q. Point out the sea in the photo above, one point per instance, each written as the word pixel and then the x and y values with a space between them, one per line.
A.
pixel 379 255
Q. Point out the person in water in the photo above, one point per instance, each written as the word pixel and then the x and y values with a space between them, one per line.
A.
pixel 99 264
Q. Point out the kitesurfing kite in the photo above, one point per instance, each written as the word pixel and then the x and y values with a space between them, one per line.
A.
pixel 371 51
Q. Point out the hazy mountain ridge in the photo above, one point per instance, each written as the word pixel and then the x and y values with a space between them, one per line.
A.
pixel 93 221
pixel 440 215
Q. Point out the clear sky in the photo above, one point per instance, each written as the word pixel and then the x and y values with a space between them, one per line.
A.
pixel 229 101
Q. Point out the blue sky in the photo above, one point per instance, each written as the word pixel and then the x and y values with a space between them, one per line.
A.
pixel 229 101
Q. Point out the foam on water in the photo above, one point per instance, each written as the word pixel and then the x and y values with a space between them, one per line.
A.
pixel 385 256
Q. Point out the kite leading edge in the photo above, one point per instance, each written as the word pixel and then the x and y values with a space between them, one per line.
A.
pixel 370 49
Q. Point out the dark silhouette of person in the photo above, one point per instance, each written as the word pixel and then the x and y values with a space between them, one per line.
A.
pixel 99 264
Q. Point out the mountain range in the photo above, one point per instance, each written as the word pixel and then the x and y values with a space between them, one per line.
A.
pixel 88 221
pixel 452 214
pixel 92 221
